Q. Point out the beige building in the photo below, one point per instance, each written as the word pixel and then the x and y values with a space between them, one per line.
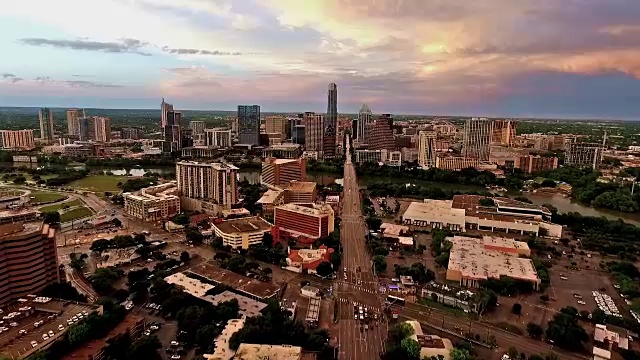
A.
pixel 17 139
pixel 427 149
pixel 73 121
pixel 430 345
pixel 477 138
pixel 313 131
pixel 276 124
pixel 473 260
pixel 217 137
pixel 504 132
pixel 102 128
pixel 270 199
pixel 243 232
pixel 303 192
pixel 277 172
pixel 215 182
pixel 153 203
pixel 456 162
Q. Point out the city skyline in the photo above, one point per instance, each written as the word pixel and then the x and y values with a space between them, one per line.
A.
pixel 495 58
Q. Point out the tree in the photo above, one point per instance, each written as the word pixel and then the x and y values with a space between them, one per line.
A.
pixel 534 330
pixel 324 269
pixel 487 202
pixel 516 309
pixel 267 239
pixel 544 298
pixel 51 217
pixel 145 347
pixel 181 219
pixel 373 223
pixel 411 348
pixel 460 354
pixel 513 353
pixel 185 257
pixel 116 222
pixel 335 259
pixel 379 263
pixel 548 183
pixel 565 331
pixel 193 235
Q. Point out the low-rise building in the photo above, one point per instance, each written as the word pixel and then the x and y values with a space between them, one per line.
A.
pixel 283 151
pixel 153 203
pixel 190 285
pixel 305 223
pixel 95 350
pixel 300 192
pixel 431 345
pixel 246 286
pixel 536 163
pixel 222 349
pixel 201 152
pixel 270 200
pixel 276 352
pixel 242 232
pixel 308 259
pixel 473 260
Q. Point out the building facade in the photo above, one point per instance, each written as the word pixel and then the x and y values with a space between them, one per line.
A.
pixel 534 163
pixel 243 232
pixel 276 172
pixel 277 124
pixel 310 222
pixel 29 260
pixel 313 136
pixel 153 203
pixel 46 124
pixel 73 121
pixel 330 122
pixel 504 132
pixel 217 137
pixel 131 133
pixel 583 155
pixel 17 139
pixel 102 128
pixel 427 149
pixel 477 138
pixel 364 120
pixel 208 181
pixel 381 134
pixel 249 124
pixel 164 109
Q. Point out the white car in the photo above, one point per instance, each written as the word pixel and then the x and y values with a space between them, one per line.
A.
pixel 34 343
pixel 13 324
pixel 582 302
pixel 60 327
pixel 45 337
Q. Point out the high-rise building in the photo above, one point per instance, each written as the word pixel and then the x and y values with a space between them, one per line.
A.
pixel 364 119
pixel 249 124
pixel 17 139
pixel 427 149
pixel 131 133
pixel 583 154
pixel 164 109
pixel 102 128
pixel 298 135
pixel 504 132
pixel 381 134
pixel 277 172
pixel 313 137
pixel 172 130
pixel 330 122
pixel 217 137
pixel 197 127
pixel 73 121
pixel 85 129
pixel 46 124
pixel 208 181
pixel 277 124
pixel 535 163
pixel 29 260
pixel 476 143
pixel 311 222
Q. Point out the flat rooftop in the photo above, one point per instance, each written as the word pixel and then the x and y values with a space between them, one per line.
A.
pixel 315 210
pixel 276 352
pixel 269 196
pixel 302 186
pixel 90 349
pixel 239 282
pixel 216 165
pixel 248 306
pixel 435 210
pixel 243 225
pixel 192 286
pixel 53 313
pixel 313 311
pixel 474 260
pixel 16 229
pixel 17 212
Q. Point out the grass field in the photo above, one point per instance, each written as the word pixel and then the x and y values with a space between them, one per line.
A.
pixel 76 214
pixel 57 207
pixel 99 183
pixel 43 196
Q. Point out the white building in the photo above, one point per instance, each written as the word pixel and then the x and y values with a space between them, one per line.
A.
pixel 243 232
pixel 153 203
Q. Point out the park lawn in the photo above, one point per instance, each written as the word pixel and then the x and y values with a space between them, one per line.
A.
pixel 74 214
pixel 44 196
pixel 56 207
pixel 100 183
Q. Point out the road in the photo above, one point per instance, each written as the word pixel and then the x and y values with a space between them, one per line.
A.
pixel 461 325
pixel 357 286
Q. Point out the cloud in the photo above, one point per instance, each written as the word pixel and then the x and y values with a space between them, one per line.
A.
pixel 89 84
pixel 199 52
pixel 132 46
pixel 8 75
pixel 12 78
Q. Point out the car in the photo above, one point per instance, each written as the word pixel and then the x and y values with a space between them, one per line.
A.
pixel 355 316
pixel 45 337
pixel 22 332
pixel 50 332
pixel 33 343
pixel 154 327
pixel 147 333
pixel 582 302
pixel 69 322
pixel 60 327
pixel 13 324
pixel 175 356
pixel 85 313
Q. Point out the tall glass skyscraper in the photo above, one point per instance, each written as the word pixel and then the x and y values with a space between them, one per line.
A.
pixel 46 124
pixel 330 122
pixel 249 124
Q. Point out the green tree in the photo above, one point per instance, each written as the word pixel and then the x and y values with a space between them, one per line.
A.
pixel 460 354
pixel 534 330
pixel 193 235
pixel 411 348
pixel 565 331
pixel 516 309
pixel 324 269
pixel 379 263
pixel 145 348
pixel 185 257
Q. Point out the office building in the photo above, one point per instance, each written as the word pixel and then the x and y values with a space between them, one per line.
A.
pixel 364 119
pixel 29 259
pixel 534 163
pixel 477 138
pixel 473 261
pixel 276 172
pixel 313 131
pixel 46 124
pixel 381 134
pixel 17 139
pixel 172 130
pixel 208 181
pixel 376 156
pixel 249 124
pixel 298 134
pixel 427 149
pixel 305 222
pixel 504 132
pixel 300 192
pixel 131 327
pixel 243 232
pixel 583 154
pixel 217 137
pixel 153 203
pixel 330 126
pixel 131 133
pixel 277 124
pixel 197 127
pixel 73 121
pixel 283 151
pixel 164 109
pixel 102 128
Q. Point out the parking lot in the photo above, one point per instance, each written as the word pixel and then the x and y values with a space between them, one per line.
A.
pixel 19 339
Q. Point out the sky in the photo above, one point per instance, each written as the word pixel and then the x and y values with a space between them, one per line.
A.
pixel 516 58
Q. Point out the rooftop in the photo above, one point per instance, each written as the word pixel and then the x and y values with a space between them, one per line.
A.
pixel 17 212
pixel 242 283
pixel 302 186
pixel 217 166
pixel 313 311
pixel 393 229
pixel 248 306
pixel 269 197
pixel 272 352
pixel 191 286
pixel 315 210
pixel 17 229
pixel 440 210
pixel 275 161
pixel 474 260
pixel 284 147
pixel 243 225
pixel 92 348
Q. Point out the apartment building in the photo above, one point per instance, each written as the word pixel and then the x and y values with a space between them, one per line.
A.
pixel 17 139
pixel 208 181
pixel 153 203
pixel 276 172
pixel 305 222
pixel 427 149
pixel 313 136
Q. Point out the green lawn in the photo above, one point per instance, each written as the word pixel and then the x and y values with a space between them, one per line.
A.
pixel 76 214
pixel 99 183
pixel 44 196
pixel 57 207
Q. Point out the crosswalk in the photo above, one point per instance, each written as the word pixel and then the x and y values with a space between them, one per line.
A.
pixel 358 304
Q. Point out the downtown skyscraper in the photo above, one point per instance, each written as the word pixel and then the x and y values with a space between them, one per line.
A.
pixel 364 121
pixel 249 124
pixel 476 143
pixel 330 122
pixel 46 124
